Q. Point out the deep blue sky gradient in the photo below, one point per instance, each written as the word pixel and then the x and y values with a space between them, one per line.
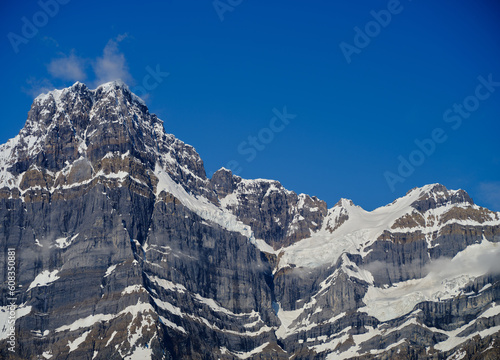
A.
pixel 352 121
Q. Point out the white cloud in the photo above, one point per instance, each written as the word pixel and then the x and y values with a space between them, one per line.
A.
pixel 489 194
pixel 478 258
pixel 112 64
pixel 37 86
pixel 69 67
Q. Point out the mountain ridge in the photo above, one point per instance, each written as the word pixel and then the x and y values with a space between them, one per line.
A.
pixel 122 239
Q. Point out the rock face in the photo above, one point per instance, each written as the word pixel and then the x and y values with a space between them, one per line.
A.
pixel 276 215
pixel 124 249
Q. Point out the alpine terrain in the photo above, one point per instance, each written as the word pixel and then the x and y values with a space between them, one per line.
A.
pixel 122 248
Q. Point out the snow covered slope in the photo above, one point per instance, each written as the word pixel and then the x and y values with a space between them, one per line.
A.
pixel 350 229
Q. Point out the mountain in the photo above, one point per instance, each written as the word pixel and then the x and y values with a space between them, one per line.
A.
pixel 122 248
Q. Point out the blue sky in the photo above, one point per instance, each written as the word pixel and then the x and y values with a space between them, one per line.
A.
pixel 380 97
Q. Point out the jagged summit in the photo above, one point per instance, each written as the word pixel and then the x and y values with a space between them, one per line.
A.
pixel 79 87
pixel 75 123
pixel 77 105
pixel 437 195
pixel 344 203
pixel 431 189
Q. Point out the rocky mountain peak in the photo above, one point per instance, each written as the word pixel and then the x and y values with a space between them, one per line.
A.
pixel 106 129
pixel 78 112
pixel 437 195
pixel 70 105
pixel 345 203
pixel 223 182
